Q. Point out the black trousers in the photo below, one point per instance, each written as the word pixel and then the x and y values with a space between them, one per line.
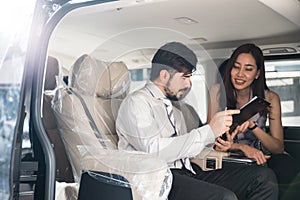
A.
pixel 233 181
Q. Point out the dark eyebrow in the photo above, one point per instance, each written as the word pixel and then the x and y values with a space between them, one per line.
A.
pixel 187 75
pixel 250 65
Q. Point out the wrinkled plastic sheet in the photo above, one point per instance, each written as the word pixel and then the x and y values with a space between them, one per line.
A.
pixel 146 174
pixel 96 150
pixel 66 191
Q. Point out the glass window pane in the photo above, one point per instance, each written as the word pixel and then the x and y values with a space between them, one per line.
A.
pixel 283 77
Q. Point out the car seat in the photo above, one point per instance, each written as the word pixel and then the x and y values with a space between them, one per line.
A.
pixel 190 116
pixel 63 167
pixel 86 113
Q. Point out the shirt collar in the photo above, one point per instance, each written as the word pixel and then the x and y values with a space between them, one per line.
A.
pixel 154 90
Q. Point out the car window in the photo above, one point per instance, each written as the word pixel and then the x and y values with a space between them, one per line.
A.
pixel 283 77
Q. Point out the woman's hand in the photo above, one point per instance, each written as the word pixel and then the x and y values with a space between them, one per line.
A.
pixel 223 145
pixel 243 127
pixel 258 155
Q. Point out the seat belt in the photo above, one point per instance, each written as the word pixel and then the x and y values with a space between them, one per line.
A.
pixel 91 120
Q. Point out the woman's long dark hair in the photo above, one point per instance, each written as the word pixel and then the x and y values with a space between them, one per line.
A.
pixel 258 85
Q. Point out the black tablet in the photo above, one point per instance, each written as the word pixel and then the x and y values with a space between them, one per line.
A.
pixel 255 105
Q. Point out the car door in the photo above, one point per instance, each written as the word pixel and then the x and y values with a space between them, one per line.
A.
pixel 14 36
pixel 27 163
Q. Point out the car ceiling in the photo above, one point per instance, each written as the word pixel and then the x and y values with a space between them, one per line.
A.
pixel 130 25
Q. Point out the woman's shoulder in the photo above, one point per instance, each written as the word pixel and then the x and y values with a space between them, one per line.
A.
pixel 272 96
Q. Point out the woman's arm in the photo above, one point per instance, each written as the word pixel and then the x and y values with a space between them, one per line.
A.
pixel 274 141
pixel 251 152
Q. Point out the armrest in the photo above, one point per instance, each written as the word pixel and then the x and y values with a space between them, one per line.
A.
pixel 209 154
pixel 147 175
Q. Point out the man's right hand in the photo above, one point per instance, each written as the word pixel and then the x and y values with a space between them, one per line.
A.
pixel 221 121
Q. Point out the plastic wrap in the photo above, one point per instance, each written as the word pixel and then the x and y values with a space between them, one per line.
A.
pixel 86 111
pixel 66 191
pixel 148 176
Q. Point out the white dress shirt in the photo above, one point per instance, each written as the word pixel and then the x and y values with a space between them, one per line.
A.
pixel 143 125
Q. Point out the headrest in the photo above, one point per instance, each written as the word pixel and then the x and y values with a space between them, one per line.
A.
pixel 52 71
pixel 114 81
pixel 94 77
pixel 74 71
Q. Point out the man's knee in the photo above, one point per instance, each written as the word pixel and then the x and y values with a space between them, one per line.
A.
pixel 228 195
pixel 264 184
pixel 265 174
pixel 223 194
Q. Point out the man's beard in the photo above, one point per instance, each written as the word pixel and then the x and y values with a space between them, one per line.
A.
pixel 170 95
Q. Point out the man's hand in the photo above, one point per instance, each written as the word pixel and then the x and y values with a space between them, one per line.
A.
pixel 221 121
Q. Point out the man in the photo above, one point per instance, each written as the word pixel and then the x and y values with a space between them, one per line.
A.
pixel 148 122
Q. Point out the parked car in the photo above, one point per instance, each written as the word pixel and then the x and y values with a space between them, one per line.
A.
pixel 44 47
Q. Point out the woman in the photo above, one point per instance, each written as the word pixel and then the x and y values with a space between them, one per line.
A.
pixel 244 78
